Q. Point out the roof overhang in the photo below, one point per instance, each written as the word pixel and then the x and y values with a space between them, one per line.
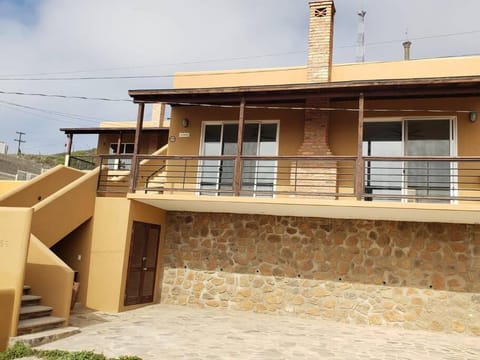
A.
pixel 374 89
pixel 109 130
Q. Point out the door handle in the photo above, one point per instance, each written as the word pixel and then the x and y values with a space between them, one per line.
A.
pixel 145 269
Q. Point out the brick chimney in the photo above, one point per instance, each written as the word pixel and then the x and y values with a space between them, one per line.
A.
pixel 320 40
pixel 315 176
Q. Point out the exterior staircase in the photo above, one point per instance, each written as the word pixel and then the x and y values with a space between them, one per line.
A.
pixel 35 317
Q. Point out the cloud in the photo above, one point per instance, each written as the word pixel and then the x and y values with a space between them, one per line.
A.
pixel 124 37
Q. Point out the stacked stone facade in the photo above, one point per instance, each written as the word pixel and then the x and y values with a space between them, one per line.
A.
pixel 412 275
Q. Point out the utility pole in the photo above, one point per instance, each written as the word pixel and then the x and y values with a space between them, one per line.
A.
pixel 20 141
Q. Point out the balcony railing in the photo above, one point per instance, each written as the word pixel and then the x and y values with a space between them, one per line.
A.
pixel 406 179
pixel 83 162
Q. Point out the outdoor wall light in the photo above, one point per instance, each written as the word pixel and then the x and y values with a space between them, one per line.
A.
pixel 185 122
pixel 472 116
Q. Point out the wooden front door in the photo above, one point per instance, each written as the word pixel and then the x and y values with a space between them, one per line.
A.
pixel 142 263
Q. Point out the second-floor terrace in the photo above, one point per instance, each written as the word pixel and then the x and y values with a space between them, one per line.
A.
pixel 390 149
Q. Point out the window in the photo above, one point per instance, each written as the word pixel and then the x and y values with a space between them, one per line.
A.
pixel 121 164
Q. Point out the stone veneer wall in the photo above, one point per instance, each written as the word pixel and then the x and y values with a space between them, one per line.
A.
pixel 412 275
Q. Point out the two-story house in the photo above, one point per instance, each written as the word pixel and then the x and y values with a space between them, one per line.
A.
pixel 349 192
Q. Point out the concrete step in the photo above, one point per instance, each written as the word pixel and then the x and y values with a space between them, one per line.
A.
pixel 29 326
pixel 30 300
pixel 26 289
pixel 34 311
pixel 45 337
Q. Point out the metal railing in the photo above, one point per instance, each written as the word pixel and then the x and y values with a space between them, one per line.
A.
pixel 406 179
pixel 422 179
pixel 261 176
pixel 114 174
pixel 83 162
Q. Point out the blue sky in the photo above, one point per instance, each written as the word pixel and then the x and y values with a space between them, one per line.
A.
pixel 160 37
pixel 23 11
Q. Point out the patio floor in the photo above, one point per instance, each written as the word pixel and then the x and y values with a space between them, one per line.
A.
pixel 177 332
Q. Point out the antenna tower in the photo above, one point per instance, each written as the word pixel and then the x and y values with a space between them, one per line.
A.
pixel 361 36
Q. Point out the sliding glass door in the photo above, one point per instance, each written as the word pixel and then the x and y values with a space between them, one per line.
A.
pixel 258 176
pixel 409 137
pixel 428 178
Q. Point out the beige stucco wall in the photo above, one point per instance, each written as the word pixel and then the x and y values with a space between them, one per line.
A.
pixel 109 234
pixel 7 297
pixel 73 204
pixel 245 77
pixel 290 128
pixel 423 68
pixel 7 185
pixel 50 278
pixel 34 191
pixel 74 250
pixel 110 248
pixel 14 240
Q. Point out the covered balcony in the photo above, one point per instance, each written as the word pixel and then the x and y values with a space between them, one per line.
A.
pixel 406 188
pixel 374 157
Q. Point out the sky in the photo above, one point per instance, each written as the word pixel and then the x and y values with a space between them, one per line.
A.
pixel 103 38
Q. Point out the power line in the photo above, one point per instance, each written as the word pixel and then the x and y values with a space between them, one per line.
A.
pixel 76 117
pixel 62 96
pixel 159 65
pixel 20 77
pixel 415 38
pixel 129 77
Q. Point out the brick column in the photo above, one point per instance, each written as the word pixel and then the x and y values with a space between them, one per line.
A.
pixel 315 176
pixel 315 133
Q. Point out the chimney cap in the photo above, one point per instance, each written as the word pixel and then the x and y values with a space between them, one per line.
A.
pixel 315 3
pixel 406 49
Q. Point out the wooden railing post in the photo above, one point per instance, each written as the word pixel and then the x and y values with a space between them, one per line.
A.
pixel 134 168
pixel 360 166
pixel 69 149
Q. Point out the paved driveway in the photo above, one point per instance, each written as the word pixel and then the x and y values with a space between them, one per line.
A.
pixel 175 332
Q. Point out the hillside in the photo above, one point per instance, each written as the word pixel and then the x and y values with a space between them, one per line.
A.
pixel 56 159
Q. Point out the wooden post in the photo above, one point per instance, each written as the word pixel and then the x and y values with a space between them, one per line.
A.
pixel 237 175
pixel 359 169
pixel 69 149
pixel 119 143
pixel 136 147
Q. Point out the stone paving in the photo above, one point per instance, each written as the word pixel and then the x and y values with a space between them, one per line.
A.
pixel 177 332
